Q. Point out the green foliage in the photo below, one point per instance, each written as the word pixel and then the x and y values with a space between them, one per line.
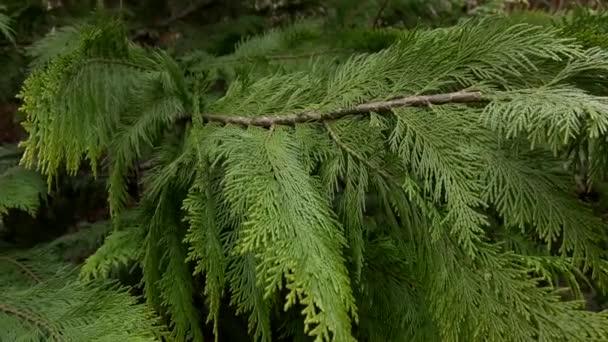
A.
pixel 52 45
pixel 41 298
pixel 120 248
pixel 22 189
pixel 588 27
pixel 5 25
pixel 438 220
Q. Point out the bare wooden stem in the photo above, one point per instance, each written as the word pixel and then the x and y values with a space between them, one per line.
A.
pixel 362 109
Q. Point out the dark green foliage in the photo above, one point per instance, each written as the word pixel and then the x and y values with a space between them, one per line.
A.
pixel 41 298
pixel 22 189
pixel 588 27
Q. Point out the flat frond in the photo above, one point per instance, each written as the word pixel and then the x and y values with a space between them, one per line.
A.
pixel 21 189
pixel 290 228
pixel 120 248
pixel 62 309
pixel 553 116
pixel 436 146
pixel 205 247
pixel 54 44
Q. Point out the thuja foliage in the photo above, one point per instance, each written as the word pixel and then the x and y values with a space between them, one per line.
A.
pixel 41 298
pixel 371 185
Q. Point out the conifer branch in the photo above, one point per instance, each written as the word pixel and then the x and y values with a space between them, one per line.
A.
pixel 31 318
pixel 23 268
pixel 362 109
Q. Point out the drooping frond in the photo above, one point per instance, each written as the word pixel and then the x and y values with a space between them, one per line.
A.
pixel 167 276
pixel 526 192
pixel 434 145
pixel 21 189
pixel 88 114
pixel 61 309
pixel 54 44
pixel 205 245
pixel 526 113
pixel 160 101
pixel 289 227
pixel 390 295
pixel 248 295
pixel 44 299
pixel 120 248
pixel 5 25
pixel 503 284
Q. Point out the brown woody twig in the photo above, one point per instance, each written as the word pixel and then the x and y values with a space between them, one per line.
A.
pixel 362 109
pixel 31 318
pixel 23 268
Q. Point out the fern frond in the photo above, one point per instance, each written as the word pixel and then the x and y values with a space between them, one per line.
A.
pixel 248 296
pixel 554 116
pixel 21 189
pixel 435 146
pixel 526 192
pixel 54 44
pixel 61 309
pixel 120 248
pixel 290 228
pixel 205 246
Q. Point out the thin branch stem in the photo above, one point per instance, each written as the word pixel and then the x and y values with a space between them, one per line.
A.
pixel 430 211
pixel 285 57
pixel 366 161
pixel 376 22
pixel 31 318
pixel 23 268
pixel 362 109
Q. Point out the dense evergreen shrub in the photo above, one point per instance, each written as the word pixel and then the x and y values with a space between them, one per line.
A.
pixel 325 183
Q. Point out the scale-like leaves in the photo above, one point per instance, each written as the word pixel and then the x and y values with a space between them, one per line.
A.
pixel 313 215
pixel 205 246
pixel 290 228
